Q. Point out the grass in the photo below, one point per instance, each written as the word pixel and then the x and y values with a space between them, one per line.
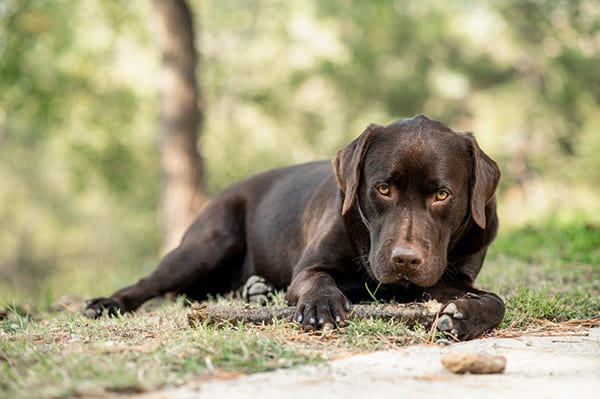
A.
pixel 68 354
pixel 546 274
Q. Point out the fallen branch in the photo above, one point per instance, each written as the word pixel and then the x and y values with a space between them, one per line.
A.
pixel 410 314
pixel 547 328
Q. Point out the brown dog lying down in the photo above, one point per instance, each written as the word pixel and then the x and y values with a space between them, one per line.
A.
pixel 408 207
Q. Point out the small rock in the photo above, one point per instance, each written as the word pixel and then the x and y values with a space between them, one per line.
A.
pixel 476 363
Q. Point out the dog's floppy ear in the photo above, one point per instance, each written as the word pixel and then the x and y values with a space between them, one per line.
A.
pixel 486 175
pixel 347 165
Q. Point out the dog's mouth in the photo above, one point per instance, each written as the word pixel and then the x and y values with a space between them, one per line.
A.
pixel 419 280
pixel 394 277
pixel 400 277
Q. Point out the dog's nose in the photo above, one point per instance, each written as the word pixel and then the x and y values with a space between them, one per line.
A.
pixel 406 256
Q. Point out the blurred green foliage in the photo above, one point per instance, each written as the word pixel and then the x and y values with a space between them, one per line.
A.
pixel 283 82
pixel 571 244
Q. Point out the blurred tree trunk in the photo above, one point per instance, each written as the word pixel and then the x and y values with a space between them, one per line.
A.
pixel 180 119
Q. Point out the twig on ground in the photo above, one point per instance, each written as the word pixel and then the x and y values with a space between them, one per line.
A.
pixel 411 314
pixel 546 328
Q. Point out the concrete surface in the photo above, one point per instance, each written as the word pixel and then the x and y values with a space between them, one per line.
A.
pixel 537 367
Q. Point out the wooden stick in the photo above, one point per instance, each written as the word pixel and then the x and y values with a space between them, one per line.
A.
pixel 408 313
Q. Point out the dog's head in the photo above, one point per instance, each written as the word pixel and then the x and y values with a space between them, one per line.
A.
pixel 416 185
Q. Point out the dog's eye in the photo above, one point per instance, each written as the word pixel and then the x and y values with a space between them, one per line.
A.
pixel 441 195
pixel 384 190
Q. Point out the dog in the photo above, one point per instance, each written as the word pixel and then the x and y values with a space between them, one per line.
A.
pixel 408 208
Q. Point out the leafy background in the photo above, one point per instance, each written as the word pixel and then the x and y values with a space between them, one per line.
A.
pixel 283 82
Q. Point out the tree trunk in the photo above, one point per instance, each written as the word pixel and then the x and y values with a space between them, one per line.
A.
pixel 182 193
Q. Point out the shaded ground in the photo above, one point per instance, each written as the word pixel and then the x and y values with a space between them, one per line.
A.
pixel 549 365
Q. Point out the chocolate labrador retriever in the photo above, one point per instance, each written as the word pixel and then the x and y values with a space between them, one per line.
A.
pixel 408 208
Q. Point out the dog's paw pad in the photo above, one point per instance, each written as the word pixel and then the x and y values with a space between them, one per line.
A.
pixel 449 317
pixel 95 308
pixel 257 290
pixel 450 309
pixel 445 323
pixel 92 313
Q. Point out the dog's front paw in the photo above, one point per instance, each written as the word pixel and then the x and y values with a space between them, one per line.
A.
pixel 322 310
pixel 471 315
pixel 257 290
pixel 97 307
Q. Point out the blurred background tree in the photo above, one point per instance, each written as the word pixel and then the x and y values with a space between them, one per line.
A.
pixel 182 193
pixel 282 82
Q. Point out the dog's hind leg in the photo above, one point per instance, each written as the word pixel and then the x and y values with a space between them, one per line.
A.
pixel 209 257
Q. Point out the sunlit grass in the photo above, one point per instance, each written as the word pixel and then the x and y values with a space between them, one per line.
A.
pixel 67 354
pixel 549 272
